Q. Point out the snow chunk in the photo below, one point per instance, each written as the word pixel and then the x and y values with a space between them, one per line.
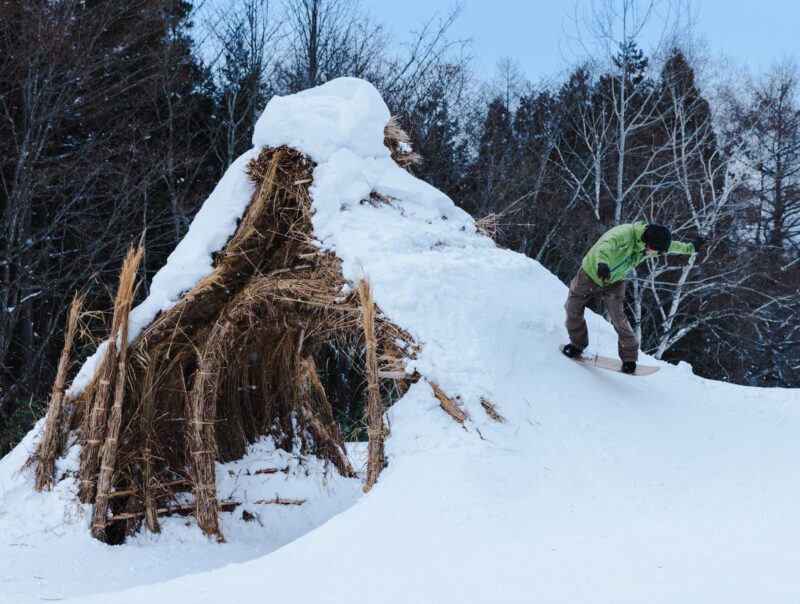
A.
pixel 87 370
pixel 346 113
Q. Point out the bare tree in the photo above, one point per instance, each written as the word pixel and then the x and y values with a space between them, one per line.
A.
pixel 585 142
pixel 429 61
pixel 245 42
pixel 774 156
pixel 82 170
pixel 329 39
pixel 611 31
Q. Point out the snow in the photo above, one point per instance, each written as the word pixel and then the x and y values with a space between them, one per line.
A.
pixel 596 487
pixel 47 553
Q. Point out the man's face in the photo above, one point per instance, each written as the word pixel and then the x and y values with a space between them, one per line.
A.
pixel 649 251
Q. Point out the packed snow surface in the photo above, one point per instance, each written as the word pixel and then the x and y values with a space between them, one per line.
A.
pixel 596 486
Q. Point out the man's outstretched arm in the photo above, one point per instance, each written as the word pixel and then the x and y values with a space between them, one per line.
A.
pixel 678 247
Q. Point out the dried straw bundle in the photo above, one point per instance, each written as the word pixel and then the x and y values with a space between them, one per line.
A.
pixel 374 411
pixel 232 360
pixel 46 453
pixel 122 309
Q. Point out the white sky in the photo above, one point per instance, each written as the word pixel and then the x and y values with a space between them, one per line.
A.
pixel 536 33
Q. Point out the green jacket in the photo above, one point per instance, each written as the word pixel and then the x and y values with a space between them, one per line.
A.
pixel 622 248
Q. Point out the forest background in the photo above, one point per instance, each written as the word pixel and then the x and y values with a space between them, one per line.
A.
pixel 118 119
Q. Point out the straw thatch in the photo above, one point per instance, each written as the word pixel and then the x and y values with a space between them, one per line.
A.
pixel 236 358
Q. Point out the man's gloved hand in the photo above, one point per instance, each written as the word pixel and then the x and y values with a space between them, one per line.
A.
pixel 603 271
pixel 699 243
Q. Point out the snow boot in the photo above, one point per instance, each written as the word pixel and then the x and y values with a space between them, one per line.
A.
pixel 572 351
pixel 629 367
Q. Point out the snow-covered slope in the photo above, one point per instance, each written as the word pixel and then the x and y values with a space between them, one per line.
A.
pixel 596 487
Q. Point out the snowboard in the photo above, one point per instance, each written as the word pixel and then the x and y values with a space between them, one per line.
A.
pixel 611 364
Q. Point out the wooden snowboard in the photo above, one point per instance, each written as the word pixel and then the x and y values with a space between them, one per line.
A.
pixel 611 364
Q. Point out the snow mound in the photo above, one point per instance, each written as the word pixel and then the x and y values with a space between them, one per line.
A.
pixel 596 487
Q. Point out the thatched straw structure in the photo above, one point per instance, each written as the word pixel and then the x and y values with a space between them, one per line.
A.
pixel 236 358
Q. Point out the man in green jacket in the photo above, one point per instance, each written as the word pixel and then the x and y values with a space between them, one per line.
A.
pixel 603 272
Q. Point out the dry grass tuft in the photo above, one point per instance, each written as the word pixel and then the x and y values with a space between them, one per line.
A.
pixel 398 142
pixel 491 410
pixel 489 225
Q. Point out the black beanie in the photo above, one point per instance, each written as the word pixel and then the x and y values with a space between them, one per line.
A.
pixel 658 237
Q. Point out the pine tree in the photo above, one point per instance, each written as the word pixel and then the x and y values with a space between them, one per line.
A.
pixel 490 170
pixel 436 134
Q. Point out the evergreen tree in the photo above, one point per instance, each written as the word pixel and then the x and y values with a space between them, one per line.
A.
pixel 489 174
pixel 435 132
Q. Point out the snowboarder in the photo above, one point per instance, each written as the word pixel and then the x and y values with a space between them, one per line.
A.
pixel 603 272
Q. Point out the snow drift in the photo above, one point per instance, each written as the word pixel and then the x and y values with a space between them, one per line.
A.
pixel 595 486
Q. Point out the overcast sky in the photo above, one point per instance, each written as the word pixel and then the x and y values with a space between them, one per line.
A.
pixel 537 33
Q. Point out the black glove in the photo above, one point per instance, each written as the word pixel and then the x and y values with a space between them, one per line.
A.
pixel 699 243
pixel 603 271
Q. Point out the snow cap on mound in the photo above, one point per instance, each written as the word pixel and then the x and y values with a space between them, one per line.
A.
pixel 346 113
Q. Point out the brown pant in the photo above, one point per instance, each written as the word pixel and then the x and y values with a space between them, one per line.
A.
pixel 581 290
